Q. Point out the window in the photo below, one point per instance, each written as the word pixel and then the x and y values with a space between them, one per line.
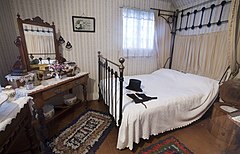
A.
pixel 138 31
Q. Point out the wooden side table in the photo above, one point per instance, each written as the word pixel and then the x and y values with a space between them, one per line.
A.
pixel 223 128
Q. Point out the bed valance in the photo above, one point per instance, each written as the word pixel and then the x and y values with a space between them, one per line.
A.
pixel 204 54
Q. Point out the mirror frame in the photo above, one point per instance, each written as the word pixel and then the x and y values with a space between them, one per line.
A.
pixel 38 22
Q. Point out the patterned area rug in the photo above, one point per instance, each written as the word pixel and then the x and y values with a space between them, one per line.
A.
pixel 168 146
pixel 83 135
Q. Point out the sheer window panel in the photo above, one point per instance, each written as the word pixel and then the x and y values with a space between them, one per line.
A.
pixel 138 32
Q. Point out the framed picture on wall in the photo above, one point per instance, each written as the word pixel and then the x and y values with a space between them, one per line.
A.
pixel 83 24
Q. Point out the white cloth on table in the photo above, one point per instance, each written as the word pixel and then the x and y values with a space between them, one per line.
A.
pixel 48 83
pixel 9 111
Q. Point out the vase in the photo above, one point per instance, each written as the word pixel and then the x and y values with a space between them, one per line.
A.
pixel 57 76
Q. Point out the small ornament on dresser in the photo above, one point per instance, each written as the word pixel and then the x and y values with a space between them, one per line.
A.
pixel 29 85
pixel 28 80
pixel 57 69
pixel 71 68
pixel 18 69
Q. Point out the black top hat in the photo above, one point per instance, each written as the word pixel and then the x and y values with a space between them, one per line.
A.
pixel 134 84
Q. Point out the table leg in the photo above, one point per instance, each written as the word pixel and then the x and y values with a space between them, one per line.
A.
pixel 85 92
pixel 43 133
pixel 32 138
pixel 85 95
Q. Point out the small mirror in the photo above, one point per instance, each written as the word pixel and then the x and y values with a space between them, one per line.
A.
pixel 39 44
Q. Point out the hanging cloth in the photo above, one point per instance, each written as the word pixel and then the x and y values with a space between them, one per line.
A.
pixel 234 34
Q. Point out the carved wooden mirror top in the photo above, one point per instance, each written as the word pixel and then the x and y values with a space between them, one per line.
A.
pixel 39 43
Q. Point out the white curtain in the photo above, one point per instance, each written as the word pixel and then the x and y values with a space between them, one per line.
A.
pixel 162 41
pixel 234 34
pixel 155 54
pixel 39 41
pixel 138 32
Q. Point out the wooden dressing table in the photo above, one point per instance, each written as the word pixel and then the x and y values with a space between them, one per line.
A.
pixel 31 57
pixel 42 93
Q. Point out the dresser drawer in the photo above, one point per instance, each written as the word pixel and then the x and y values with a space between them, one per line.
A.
pixel 61 88
pixel 56 90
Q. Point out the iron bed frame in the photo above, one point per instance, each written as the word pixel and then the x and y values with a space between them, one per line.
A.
pixel 110 76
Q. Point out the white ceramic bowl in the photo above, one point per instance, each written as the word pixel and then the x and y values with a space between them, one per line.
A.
pixel 70 99
pixel 48 111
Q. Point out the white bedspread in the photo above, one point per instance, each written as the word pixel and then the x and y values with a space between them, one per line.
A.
pixel 181 99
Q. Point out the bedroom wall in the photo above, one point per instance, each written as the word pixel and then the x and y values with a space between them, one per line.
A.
pixel 107 14
pixel 8 51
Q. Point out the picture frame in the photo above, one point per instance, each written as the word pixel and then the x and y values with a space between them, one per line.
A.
pixel 83 24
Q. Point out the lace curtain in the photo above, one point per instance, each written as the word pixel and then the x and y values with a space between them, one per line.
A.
pixel 138 32
pixel 39 41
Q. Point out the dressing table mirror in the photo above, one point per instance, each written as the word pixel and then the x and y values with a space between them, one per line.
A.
pixel 39 46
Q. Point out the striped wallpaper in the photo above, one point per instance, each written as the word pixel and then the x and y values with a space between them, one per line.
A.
pixel 8 51
pixel 107 38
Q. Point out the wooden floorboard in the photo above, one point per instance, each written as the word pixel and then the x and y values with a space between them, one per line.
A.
pixel 195 136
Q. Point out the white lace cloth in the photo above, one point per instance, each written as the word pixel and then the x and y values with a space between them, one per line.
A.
pixel 9 111
pixel 47 83
pixel 27 77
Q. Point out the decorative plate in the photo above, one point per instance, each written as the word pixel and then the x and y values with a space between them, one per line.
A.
pixel 3 98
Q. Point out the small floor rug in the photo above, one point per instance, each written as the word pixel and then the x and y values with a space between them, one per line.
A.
pixel 168 146
pixel 84 135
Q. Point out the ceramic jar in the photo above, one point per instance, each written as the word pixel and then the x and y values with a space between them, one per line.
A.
pixel 29 86
pixel 57 76
pixel 48 111
pixel 10 92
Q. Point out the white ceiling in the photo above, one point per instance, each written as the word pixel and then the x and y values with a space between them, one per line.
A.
pixel 186 3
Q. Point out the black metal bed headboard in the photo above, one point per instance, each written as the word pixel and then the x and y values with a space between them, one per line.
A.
pixel 185 14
